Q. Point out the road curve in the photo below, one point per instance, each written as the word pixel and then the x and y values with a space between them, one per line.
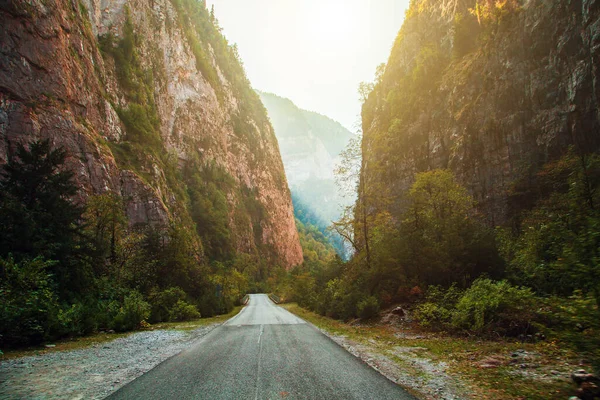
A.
pixel 264 352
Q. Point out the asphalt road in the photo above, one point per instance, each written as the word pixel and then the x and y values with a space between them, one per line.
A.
pixel 264 352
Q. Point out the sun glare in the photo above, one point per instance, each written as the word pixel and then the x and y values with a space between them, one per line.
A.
pixel 332 21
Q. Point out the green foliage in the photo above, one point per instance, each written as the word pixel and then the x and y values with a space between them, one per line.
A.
pixel 29 304
pixel 310 218
pixel 193 18
pixel 183 311
pixel 325 288
pixel 557 249
pixel 202 31
pixel 304 290
pixel 489 306
pixel 140 117
pixel 575 321
pixel 132 312
pixel 140 125
pixel 315 246
pixel 38 217
pixel 207 188
pixel 484 308
pixel 441 241
pixel 106 227
pixel 433 315
pixel 435 239
pixel 163 303
pixel 102 273
pixel 368 308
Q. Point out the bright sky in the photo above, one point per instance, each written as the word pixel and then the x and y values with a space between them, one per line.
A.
pixel 314 52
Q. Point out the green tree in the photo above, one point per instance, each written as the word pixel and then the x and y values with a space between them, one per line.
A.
pixel 38 216
pixel 29 304
pixel 442 242
pixel 557 249
pixel 106 224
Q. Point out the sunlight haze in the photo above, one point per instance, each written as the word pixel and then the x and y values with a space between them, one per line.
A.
pixel 314 52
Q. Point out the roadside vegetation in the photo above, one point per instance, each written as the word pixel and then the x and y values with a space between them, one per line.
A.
pixel 473 292
pixel 458 276
pixel 470 367
pixel 71 265
pixel 80 342
pixel 68 270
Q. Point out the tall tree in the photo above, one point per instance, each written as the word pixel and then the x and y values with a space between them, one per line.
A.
pixel 37 214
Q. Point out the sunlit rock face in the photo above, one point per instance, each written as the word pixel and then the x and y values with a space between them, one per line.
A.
pixel 55 83
pixel 491 96
pixel 310 146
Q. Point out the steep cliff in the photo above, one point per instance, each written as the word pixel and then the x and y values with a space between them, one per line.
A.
pixel 150 102
pixel 490 90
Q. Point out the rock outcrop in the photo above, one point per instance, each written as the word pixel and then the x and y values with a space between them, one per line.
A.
pixel 175 99
pixel 490 90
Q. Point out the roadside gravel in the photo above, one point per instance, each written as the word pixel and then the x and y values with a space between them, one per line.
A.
pixel 425 378
pixel 93 372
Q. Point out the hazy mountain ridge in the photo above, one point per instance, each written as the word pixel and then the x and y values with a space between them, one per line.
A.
pixel 310 145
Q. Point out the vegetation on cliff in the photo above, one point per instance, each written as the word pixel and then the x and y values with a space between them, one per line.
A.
pixel 70 270
pixel 310 145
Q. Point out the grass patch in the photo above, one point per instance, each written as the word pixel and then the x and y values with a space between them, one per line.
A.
pixel 99 338
pixel 191 325
pixel 544 375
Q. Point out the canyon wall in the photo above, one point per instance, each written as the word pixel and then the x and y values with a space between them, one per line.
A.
pixel 490 90
pixel 150 102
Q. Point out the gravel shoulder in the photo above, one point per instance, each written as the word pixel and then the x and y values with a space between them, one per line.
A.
pixel 96 371
pixel 423 377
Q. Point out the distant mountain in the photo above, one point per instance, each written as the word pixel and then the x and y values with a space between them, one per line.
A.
pixel 310 145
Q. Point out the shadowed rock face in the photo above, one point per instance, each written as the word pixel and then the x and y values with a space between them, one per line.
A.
pixel 496 102
pixel 55 83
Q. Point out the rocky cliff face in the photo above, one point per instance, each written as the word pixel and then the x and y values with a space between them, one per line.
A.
pixel 147 97
pixel 491 90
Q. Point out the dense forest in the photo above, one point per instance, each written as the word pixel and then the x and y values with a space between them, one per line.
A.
pixel 477 204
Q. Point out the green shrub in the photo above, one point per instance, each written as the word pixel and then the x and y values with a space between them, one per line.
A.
pixel 433 315
pixel 79 318
pixel 163 302
pixel 183 311
pixel 140 123
pixel 28 305
pixel 133 311
pixel 446 297
pixel 489 306
pixel 368 308
pixel 574 321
